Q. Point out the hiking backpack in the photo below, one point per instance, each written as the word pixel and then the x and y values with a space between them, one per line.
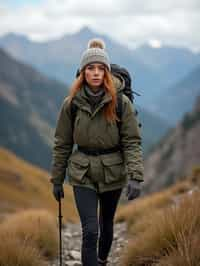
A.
pixel 117 71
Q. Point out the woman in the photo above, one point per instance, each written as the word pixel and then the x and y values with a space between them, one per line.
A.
pixel 104 157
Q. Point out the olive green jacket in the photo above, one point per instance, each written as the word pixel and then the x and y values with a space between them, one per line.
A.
pixel 91 129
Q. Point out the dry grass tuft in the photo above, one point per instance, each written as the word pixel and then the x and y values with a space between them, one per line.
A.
pixel 35 226
pixel 171 237
pixel 19 253
pixel 28 238
pixel 144 207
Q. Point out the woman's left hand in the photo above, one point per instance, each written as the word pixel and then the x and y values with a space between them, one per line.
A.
pixel 133 189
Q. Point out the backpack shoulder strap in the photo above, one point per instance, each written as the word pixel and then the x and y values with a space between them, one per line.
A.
pixel 74 109
pixel 119 109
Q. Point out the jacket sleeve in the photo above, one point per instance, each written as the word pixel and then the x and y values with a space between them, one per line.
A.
pixel 63 144
pixel 131 141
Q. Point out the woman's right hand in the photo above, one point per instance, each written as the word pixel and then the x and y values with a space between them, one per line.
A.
pixel 58 191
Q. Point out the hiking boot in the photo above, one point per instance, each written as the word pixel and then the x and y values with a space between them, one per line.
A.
pixel 102 262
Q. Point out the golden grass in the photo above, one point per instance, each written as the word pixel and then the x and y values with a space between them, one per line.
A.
pixel 186 254
pixel 36 226
pixel 170 239
pixel 28 238
pixel 143 207
pixel 14 252
pixel 24 186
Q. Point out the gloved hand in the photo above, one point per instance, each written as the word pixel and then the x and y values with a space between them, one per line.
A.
pixel 58 191
pixel 133 189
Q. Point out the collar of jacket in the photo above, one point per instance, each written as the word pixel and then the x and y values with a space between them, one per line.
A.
pixel 81 98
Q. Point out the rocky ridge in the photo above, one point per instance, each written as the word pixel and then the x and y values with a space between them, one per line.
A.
pixel 176 155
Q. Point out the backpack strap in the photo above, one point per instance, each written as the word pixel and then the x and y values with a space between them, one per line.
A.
pixel 74 109
pixel 119 110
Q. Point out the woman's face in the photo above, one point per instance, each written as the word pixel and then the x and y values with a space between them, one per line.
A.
pixel 94 75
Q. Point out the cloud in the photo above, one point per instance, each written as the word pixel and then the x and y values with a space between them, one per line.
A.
pixel 129 22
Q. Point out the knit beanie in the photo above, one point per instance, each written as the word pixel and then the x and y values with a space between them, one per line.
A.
pixel 95 52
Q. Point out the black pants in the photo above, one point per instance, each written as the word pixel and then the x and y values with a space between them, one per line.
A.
pixel 87 205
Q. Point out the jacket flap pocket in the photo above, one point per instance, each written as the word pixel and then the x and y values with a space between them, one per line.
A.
pixel 114 167
pixel 77 167
pixel 112 160
pixel 79 159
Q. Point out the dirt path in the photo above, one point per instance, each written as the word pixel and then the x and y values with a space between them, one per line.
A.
pixel 71 235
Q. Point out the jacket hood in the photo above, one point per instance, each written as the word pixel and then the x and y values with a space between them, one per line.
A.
pixel 119 82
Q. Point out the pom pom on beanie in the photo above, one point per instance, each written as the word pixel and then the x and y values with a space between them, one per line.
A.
pixel 95 52
pixel 96 43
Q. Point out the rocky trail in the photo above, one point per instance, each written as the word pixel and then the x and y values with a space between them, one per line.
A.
pixel 71 241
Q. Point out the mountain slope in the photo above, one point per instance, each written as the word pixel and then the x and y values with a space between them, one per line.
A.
pixel 176 154
pixel 29 104
pixel 180 98
pixel 24 186
pixel 153 128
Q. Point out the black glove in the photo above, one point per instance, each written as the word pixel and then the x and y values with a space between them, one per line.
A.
pixel 133 189
pixel 58 191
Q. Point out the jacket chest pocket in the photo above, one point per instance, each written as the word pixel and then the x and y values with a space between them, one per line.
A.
pixel 114 168
pixel 77 167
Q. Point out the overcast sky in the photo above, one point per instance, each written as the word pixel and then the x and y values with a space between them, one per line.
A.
pixel 132 22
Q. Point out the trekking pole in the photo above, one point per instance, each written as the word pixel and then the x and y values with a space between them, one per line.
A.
pixel 60 231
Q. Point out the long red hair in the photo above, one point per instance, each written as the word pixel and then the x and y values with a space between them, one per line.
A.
pixel 109 108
